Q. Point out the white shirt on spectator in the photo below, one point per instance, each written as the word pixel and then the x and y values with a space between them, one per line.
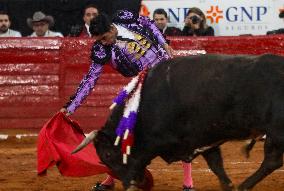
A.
pixel 11 33
pixel 48 33
pixel 88 28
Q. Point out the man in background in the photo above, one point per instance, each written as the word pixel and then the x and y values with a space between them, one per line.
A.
pixel 90 12
pixel 5 24
pixel 160 17
pixel 40 23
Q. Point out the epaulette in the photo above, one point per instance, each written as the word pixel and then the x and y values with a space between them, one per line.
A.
pixel 101 54
pixel 125 17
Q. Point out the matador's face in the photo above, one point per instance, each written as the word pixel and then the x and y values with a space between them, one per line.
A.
pixel 108 38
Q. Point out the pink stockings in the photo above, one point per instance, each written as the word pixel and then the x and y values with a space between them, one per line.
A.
pixel 187 177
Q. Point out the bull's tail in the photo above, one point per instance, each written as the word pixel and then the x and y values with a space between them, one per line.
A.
pixel 248 147
pixel 91 136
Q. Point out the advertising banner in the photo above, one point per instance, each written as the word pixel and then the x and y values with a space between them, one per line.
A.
pixel 228 18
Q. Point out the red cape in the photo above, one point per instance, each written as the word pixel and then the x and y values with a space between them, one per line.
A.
pixel 58 137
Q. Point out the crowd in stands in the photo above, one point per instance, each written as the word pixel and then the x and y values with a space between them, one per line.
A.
pixel 41 24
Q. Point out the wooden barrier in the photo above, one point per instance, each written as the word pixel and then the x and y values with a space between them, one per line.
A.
pixel 37 76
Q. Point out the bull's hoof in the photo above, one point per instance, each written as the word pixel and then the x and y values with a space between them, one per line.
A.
pixel 242 189
pixel 147 183
pixel 228 187
pixel 132 188
pixel 186 188
pixel 102 187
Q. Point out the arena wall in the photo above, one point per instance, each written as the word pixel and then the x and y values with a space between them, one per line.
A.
pixel 37 76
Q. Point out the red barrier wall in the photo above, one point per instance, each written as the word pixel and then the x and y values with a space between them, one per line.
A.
pixel 38 75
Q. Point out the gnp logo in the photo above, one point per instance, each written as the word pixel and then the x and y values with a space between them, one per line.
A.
pixel 144 11
pixel 237 14
pixel 214 14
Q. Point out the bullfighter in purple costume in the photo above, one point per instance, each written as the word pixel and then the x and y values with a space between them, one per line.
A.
pixel 130 44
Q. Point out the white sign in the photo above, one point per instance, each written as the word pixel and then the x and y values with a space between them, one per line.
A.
pixel 228 18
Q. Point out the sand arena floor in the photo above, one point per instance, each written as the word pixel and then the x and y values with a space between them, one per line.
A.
pixel 18 170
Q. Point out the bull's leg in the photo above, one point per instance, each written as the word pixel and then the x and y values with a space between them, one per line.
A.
pixel 133 176
pixel 131 181
pixel 137 176
pixel 273 159
pixel 215 162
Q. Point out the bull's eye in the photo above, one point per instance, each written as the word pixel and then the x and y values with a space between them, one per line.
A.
pixel 108 155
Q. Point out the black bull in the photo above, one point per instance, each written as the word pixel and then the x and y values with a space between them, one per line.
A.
pixel 191 105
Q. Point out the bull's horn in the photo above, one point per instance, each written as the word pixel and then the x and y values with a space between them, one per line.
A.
pixel 112 106
pixel 91 136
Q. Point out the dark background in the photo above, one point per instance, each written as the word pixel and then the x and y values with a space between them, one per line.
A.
pixel 65 12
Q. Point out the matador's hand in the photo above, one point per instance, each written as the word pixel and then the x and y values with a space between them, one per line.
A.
pixel 64 110
pixel 169 50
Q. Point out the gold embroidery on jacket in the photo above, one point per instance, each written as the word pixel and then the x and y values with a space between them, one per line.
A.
pixel 140 47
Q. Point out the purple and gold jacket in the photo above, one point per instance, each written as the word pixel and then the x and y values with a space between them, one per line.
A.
pixel 128 56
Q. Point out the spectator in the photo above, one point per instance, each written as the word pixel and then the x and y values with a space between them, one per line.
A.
pixel 279 31
pixel 5 24
pixel 40 23
pixel 195 24
pixel 160 17
pixel 90 12
pixel 281 14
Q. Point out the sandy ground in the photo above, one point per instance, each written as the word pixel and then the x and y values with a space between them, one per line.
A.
pixel 18 170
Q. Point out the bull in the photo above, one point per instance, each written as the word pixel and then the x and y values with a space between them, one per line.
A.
pixel 191 105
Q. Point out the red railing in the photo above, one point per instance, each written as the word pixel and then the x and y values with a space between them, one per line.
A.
pixel 38 75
